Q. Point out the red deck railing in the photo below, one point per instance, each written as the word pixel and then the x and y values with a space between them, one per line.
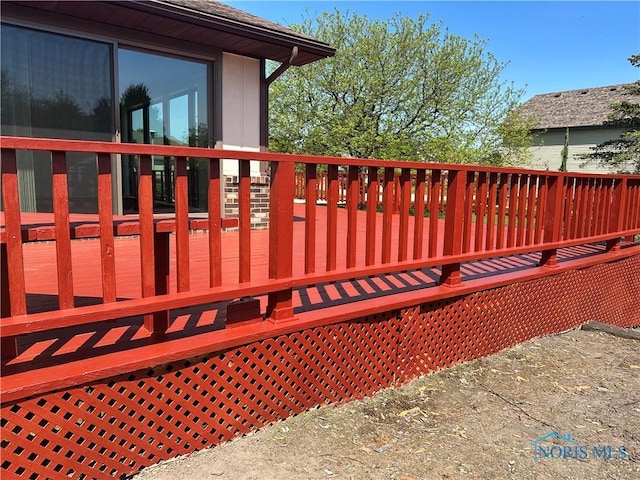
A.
pixel 486 212
pixel 322 186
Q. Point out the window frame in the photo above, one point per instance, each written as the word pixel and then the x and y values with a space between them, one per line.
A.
pixel 213 61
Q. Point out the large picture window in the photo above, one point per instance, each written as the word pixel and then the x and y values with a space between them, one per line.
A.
pixel 62 86
pixel 163 100
pixel 56 86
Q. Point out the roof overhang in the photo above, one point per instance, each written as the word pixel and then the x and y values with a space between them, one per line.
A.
pixel 180 22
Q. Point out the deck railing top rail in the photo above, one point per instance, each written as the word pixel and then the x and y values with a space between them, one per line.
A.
pixel 47 144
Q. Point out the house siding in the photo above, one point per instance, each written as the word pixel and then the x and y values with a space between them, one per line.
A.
pixel 241 131
pixel 547 149
pixel 240 108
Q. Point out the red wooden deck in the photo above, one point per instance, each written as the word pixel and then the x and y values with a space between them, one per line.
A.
pixel 71 351
pixel 193 338
pixel 81 296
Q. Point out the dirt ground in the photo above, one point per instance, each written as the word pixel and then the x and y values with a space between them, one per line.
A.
pixel 477 420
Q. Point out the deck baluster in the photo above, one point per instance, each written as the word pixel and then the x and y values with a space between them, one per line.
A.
pixel 503 192
pixel 310 210
pixel 182 224
pixel 617 212
pixel 481 210
pixel 418 229
pixel 105 214
pixel 512 212
pixel 372 205
pixel 352 215
pixel 244 200
pixel 531 208
pixel 405 205
pixel 214 222
pixel 387 214
pixel 468 211
pixel 434 211
pixel 332 217
pixel 60 192
pixel 491 214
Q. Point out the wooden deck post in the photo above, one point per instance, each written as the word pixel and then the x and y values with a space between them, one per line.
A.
pixel 617 213
pixel 453 227
pixel 154 248
pixel 280 303
pixel 553 219
pixel 9 346
pixel 13 225
pixel 14 300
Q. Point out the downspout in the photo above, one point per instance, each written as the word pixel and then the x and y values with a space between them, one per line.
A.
pixel 283 67
pixel 264 96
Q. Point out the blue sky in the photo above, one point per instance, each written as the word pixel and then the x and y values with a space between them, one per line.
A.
pixel 550 46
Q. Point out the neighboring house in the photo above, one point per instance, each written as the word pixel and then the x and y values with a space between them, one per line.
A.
pixel 179 72
pixel 584 112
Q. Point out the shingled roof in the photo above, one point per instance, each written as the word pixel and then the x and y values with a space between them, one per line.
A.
pixel 224 11
pixel 586 107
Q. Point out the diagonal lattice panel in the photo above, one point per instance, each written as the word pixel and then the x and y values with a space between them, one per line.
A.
pixel 107 428
pixel 116 426
pixel 459 329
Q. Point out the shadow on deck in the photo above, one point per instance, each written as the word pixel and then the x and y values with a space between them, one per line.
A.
pixel 41 350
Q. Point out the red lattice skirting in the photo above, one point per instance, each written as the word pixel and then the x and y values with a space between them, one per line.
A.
pixel 117 426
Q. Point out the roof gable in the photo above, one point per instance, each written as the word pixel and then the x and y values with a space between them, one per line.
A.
pixel 587 107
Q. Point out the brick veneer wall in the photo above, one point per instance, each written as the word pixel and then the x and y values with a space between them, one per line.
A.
pixel 259 200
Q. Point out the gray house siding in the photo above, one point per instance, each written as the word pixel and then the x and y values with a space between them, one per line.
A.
pixel 585 112
pixel 547 148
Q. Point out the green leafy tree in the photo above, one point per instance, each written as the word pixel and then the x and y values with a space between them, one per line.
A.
pixel 401 88
pixel 622 153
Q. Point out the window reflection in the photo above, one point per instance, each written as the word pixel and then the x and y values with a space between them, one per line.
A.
pixel 163 101
pixel 55 86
